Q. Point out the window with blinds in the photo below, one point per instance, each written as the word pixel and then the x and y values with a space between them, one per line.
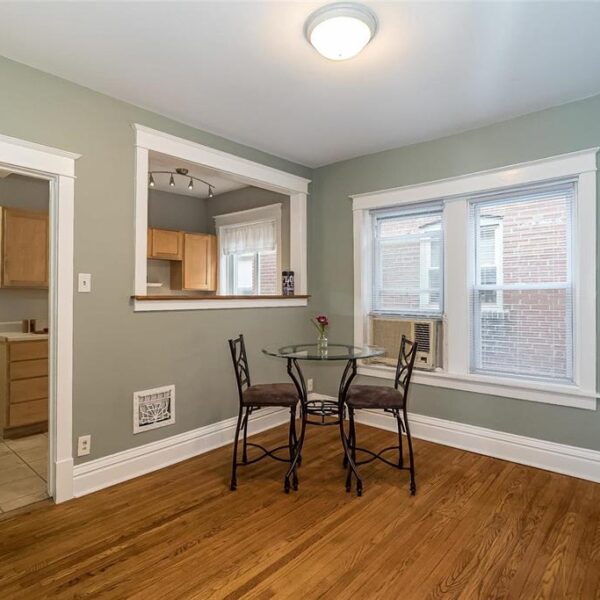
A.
pixel 408 261
pixel 522 293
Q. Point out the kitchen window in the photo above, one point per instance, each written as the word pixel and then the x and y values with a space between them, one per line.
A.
pixel 506 259
pixel 250 250
pixel 252 273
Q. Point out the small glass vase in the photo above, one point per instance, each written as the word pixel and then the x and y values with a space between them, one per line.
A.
pixel 322 342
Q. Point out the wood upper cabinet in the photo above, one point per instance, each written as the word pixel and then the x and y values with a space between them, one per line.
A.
pixel 165 244
pixel 198 270
pixel 24 248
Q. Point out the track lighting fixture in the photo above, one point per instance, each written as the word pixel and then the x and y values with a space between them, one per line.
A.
pixel 183 173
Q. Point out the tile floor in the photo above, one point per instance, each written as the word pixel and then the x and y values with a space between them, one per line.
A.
pixel 23 471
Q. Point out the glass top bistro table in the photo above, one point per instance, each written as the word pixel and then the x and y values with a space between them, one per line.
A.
pixel 321 409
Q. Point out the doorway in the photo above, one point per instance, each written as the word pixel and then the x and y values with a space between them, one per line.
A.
pixel 24 343
pixel 55 168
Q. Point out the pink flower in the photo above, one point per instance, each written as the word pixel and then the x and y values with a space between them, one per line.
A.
pixel 321 322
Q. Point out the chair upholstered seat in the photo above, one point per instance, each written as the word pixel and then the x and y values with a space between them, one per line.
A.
pixel 374 396
pixel 271 394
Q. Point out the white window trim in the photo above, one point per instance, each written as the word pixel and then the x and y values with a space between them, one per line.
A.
pixel 241 217
pixel 146 140
pixel 580 166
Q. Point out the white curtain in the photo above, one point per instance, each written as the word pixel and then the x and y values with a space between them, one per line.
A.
pixel 259 236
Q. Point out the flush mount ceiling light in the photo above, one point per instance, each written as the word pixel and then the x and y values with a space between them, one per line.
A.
pixel 340 31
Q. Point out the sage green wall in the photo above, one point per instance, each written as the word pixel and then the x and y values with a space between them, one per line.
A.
pixel 117 351
pixel 558 130
pixel 16 304
pixel 177 211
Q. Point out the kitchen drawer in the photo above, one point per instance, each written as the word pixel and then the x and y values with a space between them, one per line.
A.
pixel 29 368
pixel 26 413
pixel 24 390
pixel 28 350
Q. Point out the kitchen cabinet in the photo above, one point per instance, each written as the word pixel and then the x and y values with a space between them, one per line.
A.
pixel 24 248
pixel 23 386
pixel 198 269
pixel 165 244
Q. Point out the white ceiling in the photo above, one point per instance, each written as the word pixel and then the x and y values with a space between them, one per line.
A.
pixel 244 70
pixel 220 183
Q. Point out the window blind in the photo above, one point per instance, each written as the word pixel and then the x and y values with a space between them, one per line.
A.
pixel 522 293
pixel 408 261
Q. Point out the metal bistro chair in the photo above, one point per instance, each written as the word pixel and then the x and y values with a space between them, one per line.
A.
pixel 391 400
pixel 254 397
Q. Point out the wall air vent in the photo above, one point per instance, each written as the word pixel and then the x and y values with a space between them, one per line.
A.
pixel 153 408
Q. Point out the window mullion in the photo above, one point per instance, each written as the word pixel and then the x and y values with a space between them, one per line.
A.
pixel 458 263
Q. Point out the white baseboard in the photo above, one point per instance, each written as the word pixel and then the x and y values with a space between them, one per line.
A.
pixel 63 480
pixel 560 458
pixel 109 470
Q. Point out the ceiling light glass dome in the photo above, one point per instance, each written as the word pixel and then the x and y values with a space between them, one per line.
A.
pixel 340 31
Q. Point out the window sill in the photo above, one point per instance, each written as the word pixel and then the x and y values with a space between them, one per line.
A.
pixel 164 303
pixel 563 395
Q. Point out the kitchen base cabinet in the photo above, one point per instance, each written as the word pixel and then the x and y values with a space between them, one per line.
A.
pixel 23 387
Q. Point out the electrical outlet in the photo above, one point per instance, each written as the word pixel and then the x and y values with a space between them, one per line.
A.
pixel 85 282
pixel 309 385
pixel 84 445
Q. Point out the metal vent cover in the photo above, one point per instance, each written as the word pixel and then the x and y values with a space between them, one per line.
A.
pixel 153 408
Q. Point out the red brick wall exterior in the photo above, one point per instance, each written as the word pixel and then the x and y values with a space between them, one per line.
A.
pixel 530 334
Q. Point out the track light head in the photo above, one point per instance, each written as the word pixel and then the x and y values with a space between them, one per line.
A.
pixel 172 181
pixel 210 191
pixel 151 181
pixel 191 184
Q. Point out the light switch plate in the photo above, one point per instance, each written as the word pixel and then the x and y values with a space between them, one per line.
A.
pixel 85 282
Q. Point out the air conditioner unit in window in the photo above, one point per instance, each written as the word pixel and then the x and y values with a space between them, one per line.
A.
pixel 387 332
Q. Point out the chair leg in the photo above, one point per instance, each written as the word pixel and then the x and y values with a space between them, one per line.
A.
pixel 233 484
pixel 292 444
pixel 299 462
pixel 400 449
pixel 245 445
pixel 352 447
pixel 297 454
pixel 345 459
pixel 413 485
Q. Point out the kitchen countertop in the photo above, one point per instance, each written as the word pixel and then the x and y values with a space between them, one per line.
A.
pixel 17 336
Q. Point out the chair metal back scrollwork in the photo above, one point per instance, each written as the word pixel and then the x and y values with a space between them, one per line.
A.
pixel 240 364
pixel 406 362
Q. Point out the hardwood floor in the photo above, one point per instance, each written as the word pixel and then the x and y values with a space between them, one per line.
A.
pixel 477 528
